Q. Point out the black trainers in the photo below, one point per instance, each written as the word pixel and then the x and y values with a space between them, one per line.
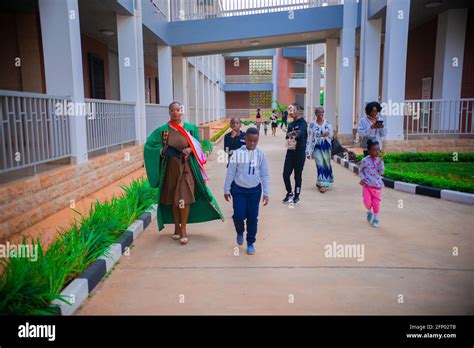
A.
pixel 296 200
pixel 288 198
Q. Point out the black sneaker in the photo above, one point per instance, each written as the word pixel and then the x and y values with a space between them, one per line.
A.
pixel 296 200
pixel 288 198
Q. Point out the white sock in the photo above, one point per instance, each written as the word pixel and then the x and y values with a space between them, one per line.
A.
pixel 376 216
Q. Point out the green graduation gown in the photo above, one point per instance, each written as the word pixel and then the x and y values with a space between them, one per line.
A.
pixel 205 208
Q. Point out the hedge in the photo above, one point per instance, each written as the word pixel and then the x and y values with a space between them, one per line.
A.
pixel 221 132
pixel 424 157
pixel 28 287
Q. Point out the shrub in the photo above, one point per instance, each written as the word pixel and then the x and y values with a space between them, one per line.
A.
pixel 28 288
pixel 424 157
pixel 221 132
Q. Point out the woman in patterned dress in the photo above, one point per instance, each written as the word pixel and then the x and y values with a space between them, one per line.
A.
pixel 319 147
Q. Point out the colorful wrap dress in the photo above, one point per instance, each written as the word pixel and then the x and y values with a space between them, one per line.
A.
pixel 319 147
pixel 176 179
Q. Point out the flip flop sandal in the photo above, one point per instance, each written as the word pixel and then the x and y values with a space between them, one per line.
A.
pixel 184 240
pixel 176 236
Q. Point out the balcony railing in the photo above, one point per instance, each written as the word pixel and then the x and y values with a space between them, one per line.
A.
pixel 156 116
pixel 109 123
pixel 247 114
pixel 248 79
pixel 32 130
pixel 438 117
pixel 297 75
pixel 161 7
pixel 184 10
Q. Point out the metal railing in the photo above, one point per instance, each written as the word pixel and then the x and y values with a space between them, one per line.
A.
pixel 438 117
pixel 156 116
pixel 247 114
pixel 109 123
pixel 250 79
pixel 297 75
pixel 161 7
pixel 184 10
pixel 34 129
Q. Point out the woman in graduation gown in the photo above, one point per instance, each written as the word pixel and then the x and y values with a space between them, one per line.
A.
pixel 174 164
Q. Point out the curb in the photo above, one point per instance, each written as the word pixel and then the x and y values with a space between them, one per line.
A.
pixel 448 195
pixel 79 289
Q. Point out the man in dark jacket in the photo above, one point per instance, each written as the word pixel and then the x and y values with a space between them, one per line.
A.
pixel 295 153
pixel 235 139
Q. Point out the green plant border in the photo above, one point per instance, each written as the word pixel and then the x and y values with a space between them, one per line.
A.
pixel 220 133
pixel 420 179
pixel 424 157
pixel 29 287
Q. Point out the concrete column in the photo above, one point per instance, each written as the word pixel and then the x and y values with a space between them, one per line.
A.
pixel 202 99
pixel 309 82
pixel 369 64
pixel 346 66
pixel 165 74
pixel 449 59
pixel 275 79
pixel 180 82
pixel 208 97
pixel 192 93
pixel 316 83
pixel 394 66
pixel 330 62
pixel 131 71
pixel 61 37
pixel 211 100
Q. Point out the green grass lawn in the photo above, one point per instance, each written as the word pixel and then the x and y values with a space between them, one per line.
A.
pixel 457 176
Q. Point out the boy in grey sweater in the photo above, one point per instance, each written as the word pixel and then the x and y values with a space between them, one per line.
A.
pixel 247 177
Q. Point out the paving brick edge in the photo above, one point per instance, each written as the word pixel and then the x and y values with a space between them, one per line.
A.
pixel 449 195
pixel 80 288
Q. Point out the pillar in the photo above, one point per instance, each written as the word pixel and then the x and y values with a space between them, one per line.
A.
pixel 330 62
pixel 346 65
pixel 449 57
pixel 165 74
pixel 61 37
pixel 180 82
pixel 394 65
pixel 369 64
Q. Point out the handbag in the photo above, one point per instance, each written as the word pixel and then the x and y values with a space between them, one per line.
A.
pixel 336 147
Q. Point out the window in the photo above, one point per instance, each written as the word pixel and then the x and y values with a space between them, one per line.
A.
pixel 260 99
pixel 260 66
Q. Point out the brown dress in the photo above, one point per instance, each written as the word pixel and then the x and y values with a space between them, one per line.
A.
pixel 178 186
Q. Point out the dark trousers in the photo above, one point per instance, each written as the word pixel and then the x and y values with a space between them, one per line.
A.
pixel 245 202
pixel 283 122
pixel 294 161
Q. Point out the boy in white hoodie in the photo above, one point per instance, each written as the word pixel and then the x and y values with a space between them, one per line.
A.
pixel 247 177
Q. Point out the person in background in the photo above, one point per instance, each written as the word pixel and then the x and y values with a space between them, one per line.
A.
pixel 235 138
pixel 265 127
pixel 247 177
pixel 371 171
pixel 274 119
pixel 319 147
pixel 284 118
pixel 258 119
pixel 295 154
pixel 371 126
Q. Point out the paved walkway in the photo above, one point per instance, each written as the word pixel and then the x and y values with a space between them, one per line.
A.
pixel 410 255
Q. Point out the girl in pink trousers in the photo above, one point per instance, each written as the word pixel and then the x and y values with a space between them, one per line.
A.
pixel 370 172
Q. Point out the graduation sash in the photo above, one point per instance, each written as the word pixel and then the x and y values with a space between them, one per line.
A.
pixel 195 146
